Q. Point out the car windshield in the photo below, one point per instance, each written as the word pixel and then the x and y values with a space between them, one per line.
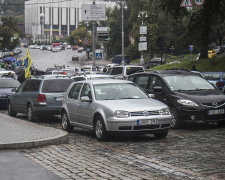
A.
pixel 187 83
pixel 118 91
pixel 56 85
pixel 9 83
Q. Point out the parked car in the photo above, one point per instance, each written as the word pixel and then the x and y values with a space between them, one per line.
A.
pixel 190 97
pixel 118 59
pixel 39 96
pixel 215 78
pixel 91 77
pixel 7 85
pixel 113 106
pixel 154 62
pixel 75 58
pixel 211 54
pixel 122 72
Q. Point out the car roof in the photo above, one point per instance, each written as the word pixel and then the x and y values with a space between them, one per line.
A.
pixel 168 72
pixel 106 81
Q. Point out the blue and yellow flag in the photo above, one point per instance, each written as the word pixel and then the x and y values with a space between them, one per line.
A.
pixel 27 63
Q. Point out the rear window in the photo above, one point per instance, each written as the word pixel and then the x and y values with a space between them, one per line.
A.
pixel 9 83
pixel 216 77
pixel 56 85
pixel 131 70
pixel 116 70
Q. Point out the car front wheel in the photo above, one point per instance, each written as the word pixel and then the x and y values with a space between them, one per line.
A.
pixel 99 129
pixel 65 122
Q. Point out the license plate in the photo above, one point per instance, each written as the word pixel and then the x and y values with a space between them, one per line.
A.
pixel 58 99
pixel 215 112
pixel 147 121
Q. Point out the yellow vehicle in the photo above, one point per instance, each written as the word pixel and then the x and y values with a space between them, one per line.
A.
pixel 211 54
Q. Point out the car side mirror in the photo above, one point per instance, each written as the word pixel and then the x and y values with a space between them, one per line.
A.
pixel 157 89
pixel 151 95
pixel 85 99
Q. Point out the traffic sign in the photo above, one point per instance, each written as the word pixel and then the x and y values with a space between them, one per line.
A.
pixel 142 46
pixel 191 47
pixel 98 55
pixel 143 29
pixel 93 12
pixel 143 38
pixel 186 3
pixel 199 2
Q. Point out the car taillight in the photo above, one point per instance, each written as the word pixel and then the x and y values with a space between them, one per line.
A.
pixel 65 73
pixel 219 84
pixel 41 98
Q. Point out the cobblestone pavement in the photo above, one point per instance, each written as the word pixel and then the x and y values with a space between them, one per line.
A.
pixel 196 152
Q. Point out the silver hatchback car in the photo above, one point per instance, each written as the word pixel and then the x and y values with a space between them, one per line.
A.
pixel 113 106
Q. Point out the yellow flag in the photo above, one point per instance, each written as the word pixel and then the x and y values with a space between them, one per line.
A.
pixel 27 62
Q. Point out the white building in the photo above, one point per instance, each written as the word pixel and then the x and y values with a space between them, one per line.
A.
pixel 54 18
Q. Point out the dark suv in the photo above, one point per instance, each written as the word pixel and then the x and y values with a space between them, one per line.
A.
pixel 190 97
pixel 39 96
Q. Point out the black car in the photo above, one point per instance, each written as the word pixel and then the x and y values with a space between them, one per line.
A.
pixel 190 97
pixel 6 86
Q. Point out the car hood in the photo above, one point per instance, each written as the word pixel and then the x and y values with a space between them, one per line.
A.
pixel 133 104
pixel 6 91
pixel 204 96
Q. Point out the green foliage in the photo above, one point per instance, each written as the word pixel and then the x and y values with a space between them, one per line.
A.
pixel 78 35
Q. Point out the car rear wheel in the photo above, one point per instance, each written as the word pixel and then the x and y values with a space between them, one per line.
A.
pixel 161 134
pixel 11 112
pixel 65 122
pixel 221 123
pixel 30 113
pixel 99 128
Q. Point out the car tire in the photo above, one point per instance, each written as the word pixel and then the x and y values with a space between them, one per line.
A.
pixel 176 123
pixel 11 112
pixel 161 134
pixel 99 128
pixel 65 122
pixel 30 113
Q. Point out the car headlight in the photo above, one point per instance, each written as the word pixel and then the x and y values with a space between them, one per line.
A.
pixel 164 111
pixel 121 114
pixel 186 102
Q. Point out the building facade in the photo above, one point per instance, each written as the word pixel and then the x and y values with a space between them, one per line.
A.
pixel 48 20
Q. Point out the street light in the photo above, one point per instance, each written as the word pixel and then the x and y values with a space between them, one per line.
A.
pixel 42 23
pixel 123 6
pixel 142 15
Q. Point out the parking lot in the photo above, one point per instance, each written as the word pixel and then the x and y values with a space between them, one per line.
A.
pixel 195 152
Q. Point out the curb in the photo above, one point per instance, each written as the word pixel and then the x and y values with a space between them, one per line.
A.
pixel 61 138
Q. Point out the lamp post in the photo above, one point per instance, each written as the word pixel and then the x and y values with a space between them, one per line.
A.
pixel 123 6
pixel 142 15
pixel 42 23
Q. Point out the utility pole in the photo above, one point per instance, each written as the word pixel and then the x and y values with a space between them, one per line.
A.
pixel 93 38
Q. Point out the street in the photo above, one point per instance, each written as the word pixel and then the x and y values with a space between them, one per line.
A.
pixel 192 153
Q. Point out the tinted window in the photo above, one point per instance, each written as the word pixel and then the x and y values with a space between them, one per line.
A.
pixel 216 76
pixel 86 91
pixel 117 70
pixel 155 81
pixel 131 78
pixel 56 85
pixel 31 85
pixel 74 92
pixel 131 70
pixel 79 79
pixel 142 81
pixel 9 83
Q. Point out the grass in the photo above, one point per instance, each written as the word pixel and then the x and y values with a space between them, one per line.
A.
pixel 203 65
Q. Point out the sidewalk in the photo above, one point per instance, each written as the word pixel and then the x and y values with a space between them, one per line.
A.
pixel 17 134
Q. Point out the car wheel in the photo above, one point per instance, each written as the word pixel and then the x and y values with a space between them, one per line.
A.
pixel 175 119
pixel 30 113
pixel 99 129
pixel 11 112
pixel 65 122
pixel 161 134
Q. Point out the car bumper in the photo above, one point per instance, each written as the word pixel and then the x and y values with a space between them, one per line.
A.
pixel 4 102
pixel 40 109
pixel 131 124
pixel 200 116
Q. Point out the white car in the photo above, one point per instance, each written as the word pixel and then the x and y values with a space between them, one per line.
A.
pixel 68 47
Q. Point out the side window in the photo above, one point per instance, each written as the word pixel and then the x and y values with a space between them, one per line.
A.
pixel 86 91
pixel 117 70
pixel 20 89
pixel 216 76
pixel 74 92
pixel 31 86
pixel 207 76
pixel 155 81
pixel 142 81
pixel 131 78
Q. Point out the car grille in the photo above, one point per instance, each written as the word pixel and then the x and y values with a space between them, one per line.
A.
pixel 144 113
pixel 146 127
pixel 214 105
